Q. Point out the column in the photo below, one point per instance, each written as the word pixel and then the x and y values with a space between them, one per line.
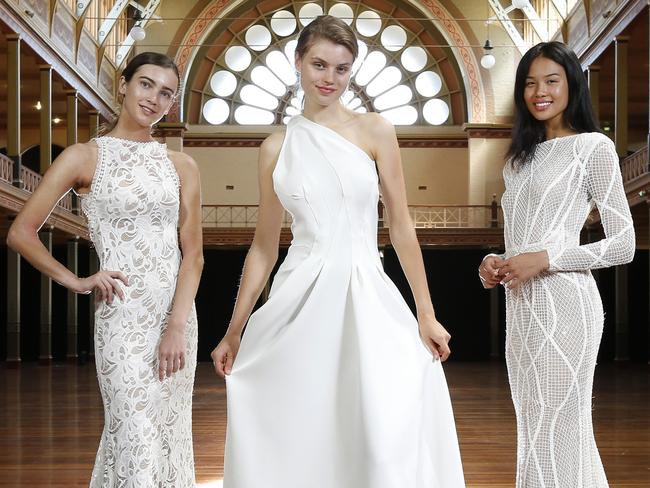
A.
pixel 93 267
pixel 494 212
pixel 13 105
pixel 72 97
pixel 45 343
pixel 71 133
pixel 494 322
pixel 621 94
pixel 486 145
pixel 622 317
pixel 13 306
pixel 172 133
pixel 648 203
pixel 93 123
pixel 593 79
pixel 46 117
pixel 72 303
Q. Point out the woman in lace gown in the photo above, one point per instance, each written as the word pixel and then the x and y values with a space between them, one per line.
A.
pixel 332 385
pixel 559 166
pixel 135 194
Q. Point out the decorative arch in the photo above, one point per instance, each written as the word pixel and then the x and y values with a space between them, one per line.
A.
pixel 459 66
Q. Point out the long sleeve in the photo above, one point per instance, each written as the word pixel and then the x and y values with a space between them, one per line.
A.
pixel 605 187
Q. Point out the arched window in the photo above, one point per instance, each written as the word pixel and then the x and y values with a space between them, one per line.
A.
pixel 254 81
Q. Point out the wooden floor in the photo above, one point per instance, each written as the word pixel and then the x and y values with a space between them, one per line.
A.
pixel 51 419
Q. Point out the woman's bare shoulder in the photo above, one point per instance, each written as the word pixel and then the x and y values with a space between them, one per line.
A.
pixel 272 145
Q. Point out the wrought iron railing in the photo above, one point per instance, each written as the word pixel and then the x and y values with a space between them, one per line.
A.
pixel 423 216
pixel 635 165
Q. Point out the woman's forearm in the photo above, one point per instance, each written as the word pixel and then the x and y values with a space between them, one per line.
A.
pixel 187 283
pixel 25 242
pixel 257 270
pixel 405 242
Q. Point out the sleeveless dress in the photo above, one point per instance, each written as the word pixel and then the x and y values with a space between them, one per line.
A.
pixel 555 320
pixel 332 386
pixel 132 212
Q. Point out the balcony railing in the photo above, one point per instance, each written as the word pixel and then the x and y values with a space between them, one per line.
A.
pixel 30 180
pixel 454 216
pixel 635 165
pixel 6 169
pixel 234 216
pixel 423 216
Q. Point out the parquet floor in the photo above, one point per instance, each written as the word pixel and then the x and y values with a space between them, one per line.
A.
pixel 51 419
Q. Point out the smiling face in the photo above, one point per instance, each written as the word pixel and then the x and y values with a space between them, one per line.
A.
pixel 546 91
pixel 149 94
pixel 325 71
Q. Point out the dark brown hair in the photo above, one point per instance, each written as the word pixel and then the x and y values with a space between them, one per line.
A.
pixel 327 27
pixel 131 68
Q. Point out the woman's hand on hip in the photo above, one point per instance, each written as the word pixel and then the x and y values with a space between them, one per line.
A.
pixel 105 282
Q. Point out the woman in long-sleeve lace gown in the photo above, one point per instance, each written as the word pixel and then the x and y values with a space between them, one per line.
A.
pixel 559 167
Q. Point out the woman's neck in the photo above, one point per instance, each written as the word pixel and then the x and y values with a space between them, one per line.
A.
pixel 557 128
pixel 128 129
pixel 333 114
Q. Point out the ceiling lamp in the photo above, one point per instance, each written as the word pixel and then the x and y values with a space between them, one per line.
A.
pixel 137 33
pixel 488 60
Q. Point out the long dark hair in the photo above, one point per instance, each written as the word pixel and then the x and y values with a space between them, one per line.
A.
pixel 527 131
pixel 157 59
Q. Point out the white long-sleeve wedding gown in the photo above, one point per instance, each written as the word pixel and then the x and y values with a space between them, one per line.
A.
pixel 332 387
pixel 555 321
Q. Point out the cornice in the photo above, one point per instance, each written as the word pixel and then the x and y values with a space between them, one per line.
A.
pixel 488 131
pixel 257 141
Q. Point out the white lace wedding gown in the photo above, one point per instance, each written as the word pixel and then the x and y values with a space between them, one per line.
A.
pixel 555 321
pixel 332 387
pixel 132 212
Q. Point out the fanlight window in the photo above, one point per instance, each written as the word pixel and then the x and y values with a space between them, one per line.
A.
pixel 255 82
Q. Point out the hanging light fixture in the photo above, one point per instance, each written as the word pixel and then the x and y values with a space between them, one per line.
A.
pixel 137 31
pixel 488 60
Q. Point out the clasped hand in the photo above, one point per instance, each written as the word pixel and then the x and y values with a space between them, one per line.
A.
pixel 513 271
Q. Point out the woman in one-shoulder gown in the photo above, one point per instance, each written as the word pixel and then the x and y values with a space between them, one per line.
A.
pixel 332 385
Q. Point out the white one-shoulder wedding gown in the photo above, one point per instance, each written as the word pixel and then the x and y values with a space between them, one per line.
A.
pixel 332 386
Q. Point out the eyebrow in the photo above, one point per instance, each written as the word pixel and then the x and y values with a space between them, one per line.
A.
pixel 316 58
pixel 154 83
pixel 545 76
